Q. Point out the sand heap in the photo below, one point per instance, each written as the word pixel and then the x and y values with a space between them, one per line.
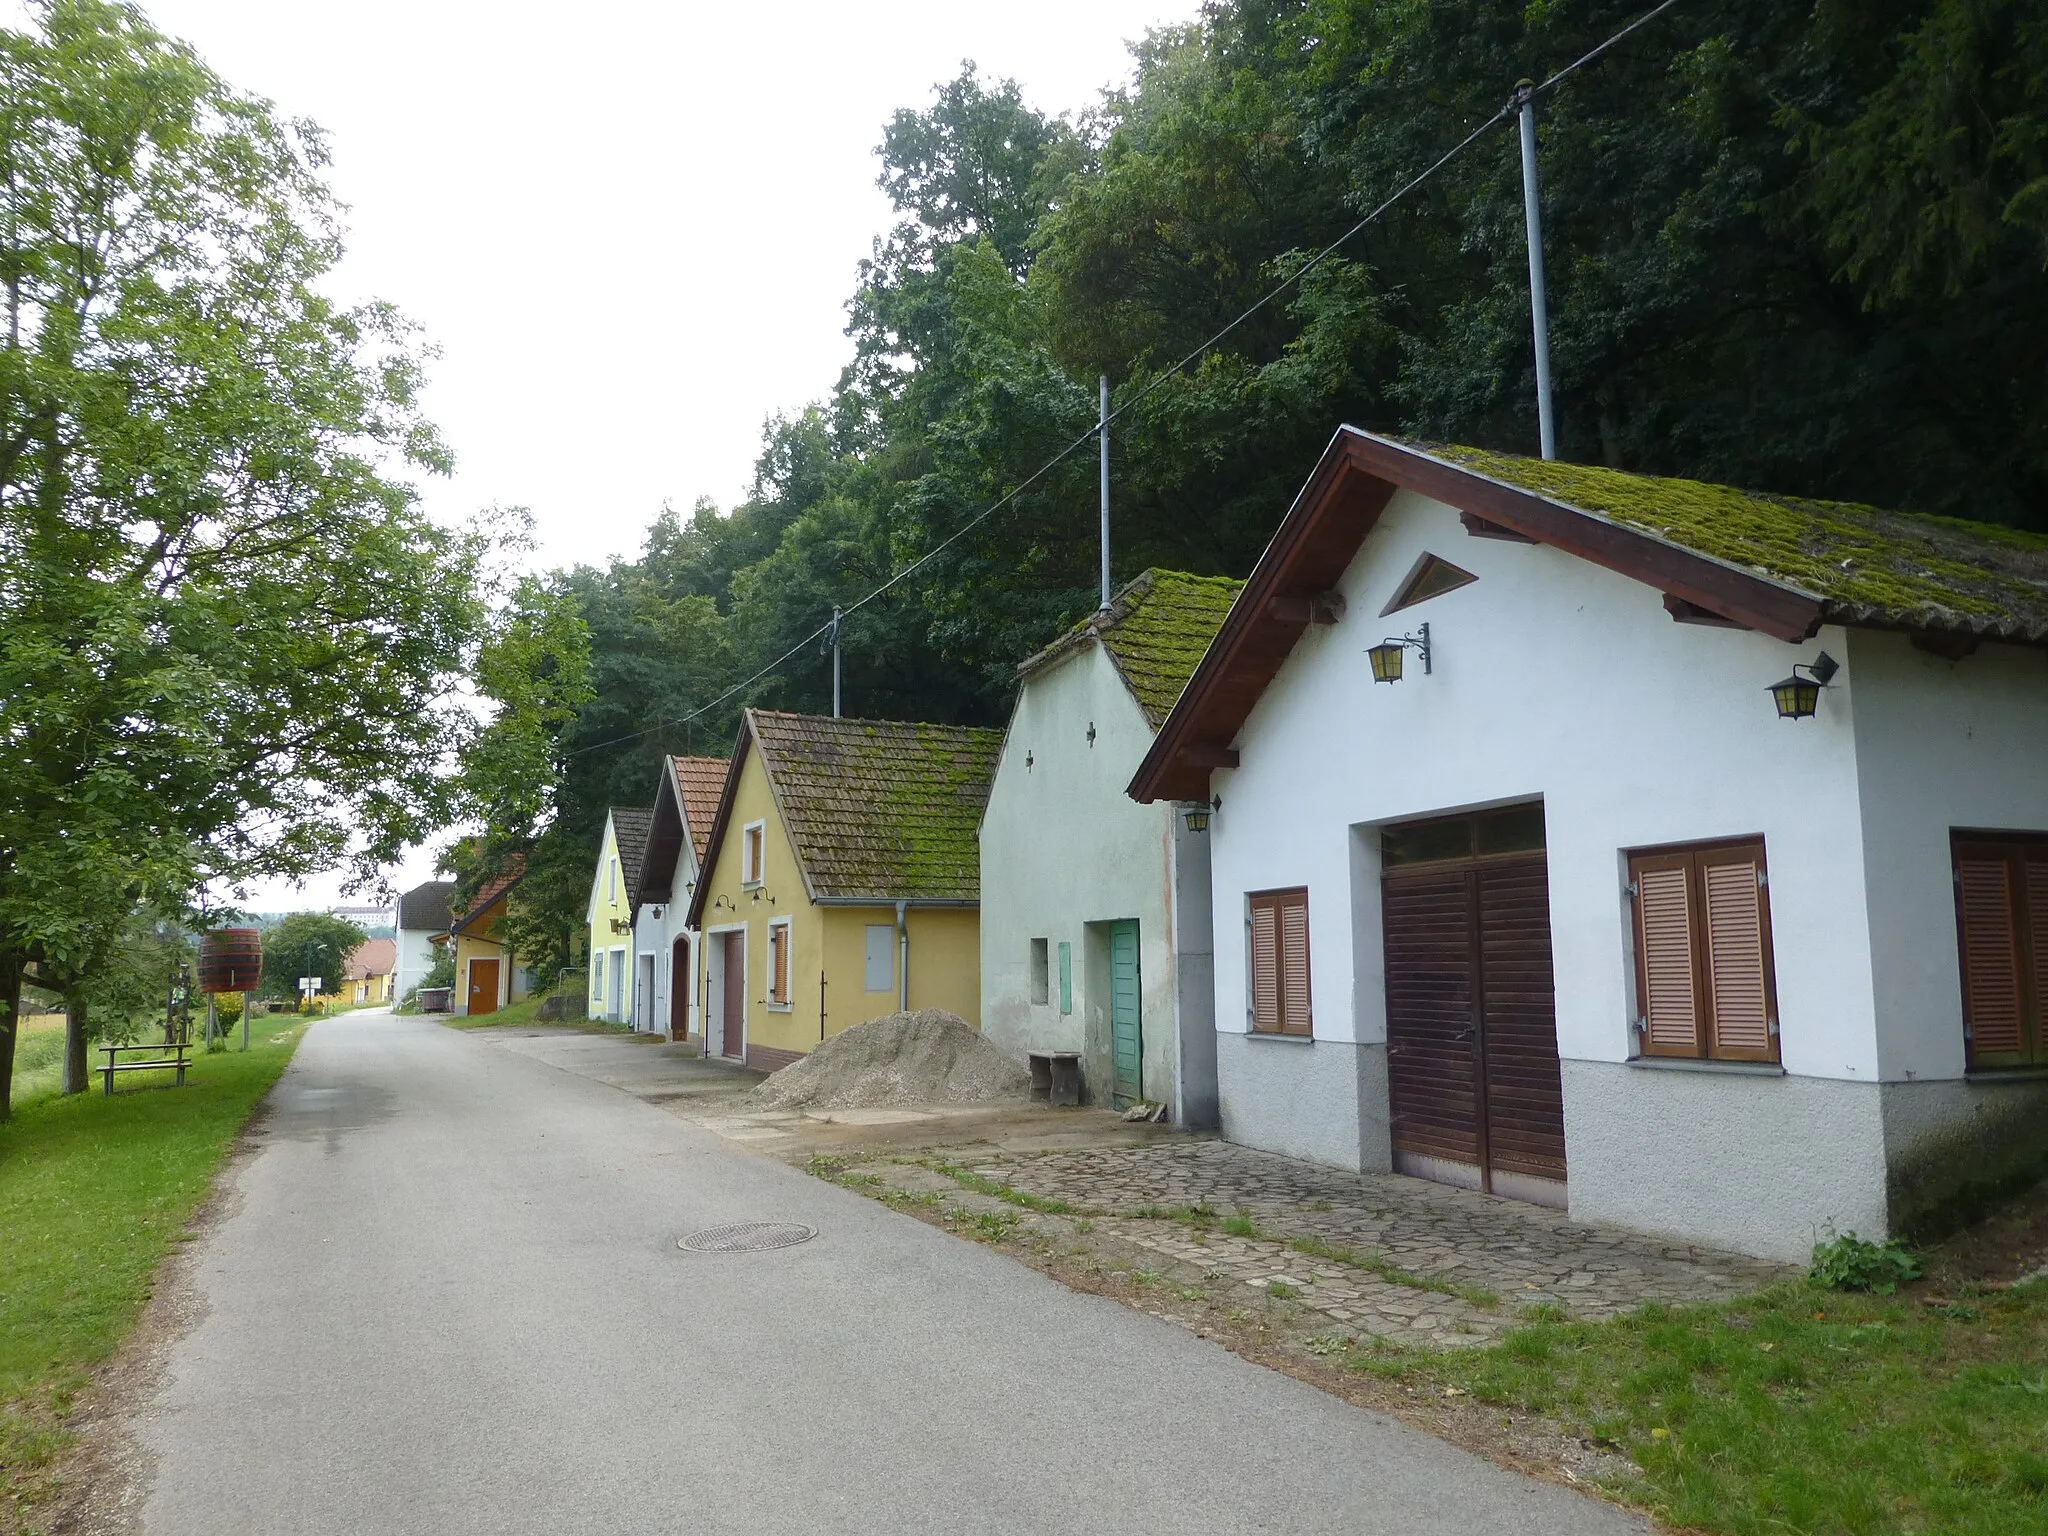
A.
pixel 926 1057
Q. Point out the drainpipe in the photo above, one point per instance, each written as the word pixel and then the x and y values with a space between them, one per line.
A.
pixel 902 959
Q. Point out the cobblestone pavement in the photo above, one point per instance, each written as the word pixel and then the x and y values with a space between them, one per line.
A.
pixel 1400 1259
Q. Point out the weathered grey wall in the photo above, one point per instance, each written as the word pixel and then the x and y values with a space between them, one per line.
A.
pixel 1949 1142
pixel 1765 1165
pixel 1322 1100
pixel 1194 947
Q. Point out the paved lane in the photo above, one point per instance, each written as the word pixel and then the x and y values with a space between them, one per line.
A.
pixel 448 1299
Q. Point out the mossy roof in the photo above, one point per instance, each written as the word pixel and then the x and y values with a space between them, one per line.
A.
pixel 1864 564
pixel 880 810
pixel 629 825
pixel 1156 629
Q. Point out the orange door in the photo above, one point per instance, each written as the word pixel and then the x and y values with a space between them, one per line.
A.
pixel 483 987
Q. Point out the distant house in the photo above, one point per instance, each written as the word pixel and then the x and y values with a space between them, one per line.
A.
pixel 1095 932
pixel 487 974
pixel 366 975
pixel 841 880
pixel 678 830
pixel 610 917
pixel 422 914
pixel 1545 863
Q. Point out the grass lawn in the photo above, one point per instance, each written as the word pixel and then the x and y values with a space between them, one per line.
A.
pixel 526 1011
pixel 93 1193
pixel 39 1061
pixel 1797 1409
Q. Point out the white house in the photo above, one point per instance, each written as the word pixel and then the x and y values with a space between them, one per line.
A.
pixel 612 894
pixel 667 1000
pixel 1095 926
pixel 1571 911
pixel 422 913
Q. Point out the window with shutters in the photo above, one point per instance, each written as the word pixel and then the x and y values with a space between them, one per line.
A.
pixel 2002 934
pixel 1704 983
pixel 1278 932
pixel 778 963
pixel 753 838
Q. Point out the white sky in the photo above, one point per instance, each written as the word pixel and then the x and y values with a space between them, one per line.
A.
pixel 629 227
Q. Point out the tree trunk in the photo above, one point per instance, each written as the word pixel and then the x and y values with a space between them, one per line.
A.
pixel 76 1078
pixel 10 1013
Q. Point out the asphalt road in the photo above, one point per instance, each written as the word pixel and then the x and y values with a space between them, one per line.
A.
pixel 448 1299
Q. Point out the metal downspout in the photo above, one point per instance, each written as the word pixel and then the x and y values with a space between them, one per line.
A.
pixel 902 959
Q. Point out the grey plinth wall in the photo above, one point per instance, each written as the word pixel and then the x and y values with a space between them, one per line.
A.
pixel 1950 1144
pixel 1766 1165
pixel 1321 1100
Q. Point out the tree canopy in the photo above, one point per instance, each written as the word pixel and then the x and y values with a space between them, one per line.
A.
pixel 231 637
pixel 1798 249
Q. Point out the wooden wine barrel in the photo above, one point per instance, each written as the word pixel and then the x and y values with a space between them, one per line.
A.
pixel 230 960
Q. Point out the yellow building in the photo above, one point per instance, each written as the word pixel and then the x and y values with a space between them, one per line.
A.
pixel 487 973
pixel 614 888
pixel 842 880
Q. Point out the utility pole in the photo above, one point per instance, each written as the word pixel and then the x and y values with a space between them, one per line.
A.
pixel 1102 432
pixel 1524 100
pixel 835 663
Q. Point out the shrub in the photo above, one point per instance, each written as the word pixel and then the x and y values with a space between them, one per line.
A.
pixel 1847 1263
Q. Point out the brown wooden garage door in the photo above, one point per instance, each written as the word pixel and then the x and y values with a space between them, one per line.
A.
pixel 1471 1008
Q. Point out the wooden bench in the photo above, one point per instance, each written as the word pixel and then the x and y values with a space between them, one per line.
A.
pixel 1056 1076
pixel 170 1058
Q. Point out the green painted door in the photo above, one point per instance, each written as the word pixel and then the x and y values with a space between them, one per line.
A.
pixel 1125 1036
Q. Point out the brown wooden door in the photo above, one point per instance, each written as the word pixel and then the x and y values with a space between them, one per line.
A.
pixel 1475 1091
pixel 483 987
pixel 679 990
pixel 733 998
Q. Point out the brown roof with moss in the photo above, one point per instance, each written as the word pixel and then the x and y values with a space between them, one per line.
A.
pixel 702 780
pixel 1155 630
pixel 1866 565
pixel 880 810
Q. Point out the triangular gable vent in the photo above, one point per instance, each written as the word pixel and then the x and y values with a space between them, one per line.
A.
pixel 1432 576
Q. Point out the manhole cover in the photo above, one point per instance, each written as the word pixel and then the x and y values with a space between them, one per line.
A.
pixel 747 1237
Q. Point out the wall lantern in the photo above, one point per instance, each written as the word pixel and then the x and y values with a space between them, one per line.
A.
pixel 1386 656
pixel 1198 814
pixel 1798 698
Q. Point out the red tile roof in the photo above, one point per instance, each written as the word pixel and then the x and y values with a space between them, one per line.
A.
pixel 372 957
pixel 703 781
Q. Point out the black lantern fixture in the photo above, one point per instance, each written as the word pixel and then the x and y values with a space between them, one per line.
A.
pixel 1386 656
pixel 1798 698
pixel 1198 814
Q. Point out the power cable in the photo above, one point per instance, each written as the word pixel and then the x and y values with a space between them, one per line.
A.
pixel 1292 280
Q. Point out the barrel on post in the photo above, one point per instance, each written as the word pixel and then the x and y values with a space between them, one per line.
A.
pixel 230 960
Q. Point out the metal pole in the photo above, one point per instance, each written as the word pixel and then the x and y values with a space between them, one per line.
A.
pixel 1539 307
pixel 1102 432
pixel 835 663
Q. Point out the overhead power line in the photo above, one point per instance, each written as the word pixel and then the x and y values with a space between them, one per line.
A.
pixel 1286 284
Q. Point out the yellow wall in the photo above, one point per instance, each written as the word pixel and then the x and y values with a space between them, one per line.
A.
pixel 945 943
pixel 608 901
pixel 480 942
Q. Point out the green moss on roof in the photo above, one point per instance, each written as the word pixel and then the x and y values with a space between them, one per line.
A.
pixel 881 810
pixel 1865 564
pixel 1156 629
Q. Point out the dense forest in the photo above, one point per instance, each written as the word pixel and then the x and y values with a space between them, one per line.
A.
pixel 1793 247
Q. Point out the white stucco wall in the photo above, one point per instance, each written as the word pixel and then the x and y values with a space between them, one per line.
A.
pixel 1555 679
pixel 1062 846
pixel 415 957
pixel 655 929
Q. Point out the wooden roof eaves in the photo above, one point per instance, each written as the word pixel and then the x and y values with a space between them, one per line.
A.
pixel 1359 472
pixel 665 792
pixel 714 845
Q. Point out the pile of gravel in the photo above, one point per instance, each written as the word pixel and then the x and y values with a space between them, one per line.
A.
pixel 929 1056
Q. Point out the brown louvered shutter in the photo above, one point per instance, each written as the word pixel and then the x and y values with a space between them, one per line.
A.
pixel 1737 932
pixel 1294 998
pixel 1665 989
pixel 778 963
pixel 1993 1016
pixel 1265 920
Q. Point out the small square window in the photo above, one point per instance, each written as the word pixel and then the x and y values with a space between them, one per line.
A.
pixel 1066 977
pixel 1041 972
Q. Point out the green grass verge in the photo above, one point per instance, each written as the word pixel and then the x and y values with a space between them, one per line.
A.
pixel 1796 1409
pixel 93 1193
pixel 38 1063
pixel 527 1011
